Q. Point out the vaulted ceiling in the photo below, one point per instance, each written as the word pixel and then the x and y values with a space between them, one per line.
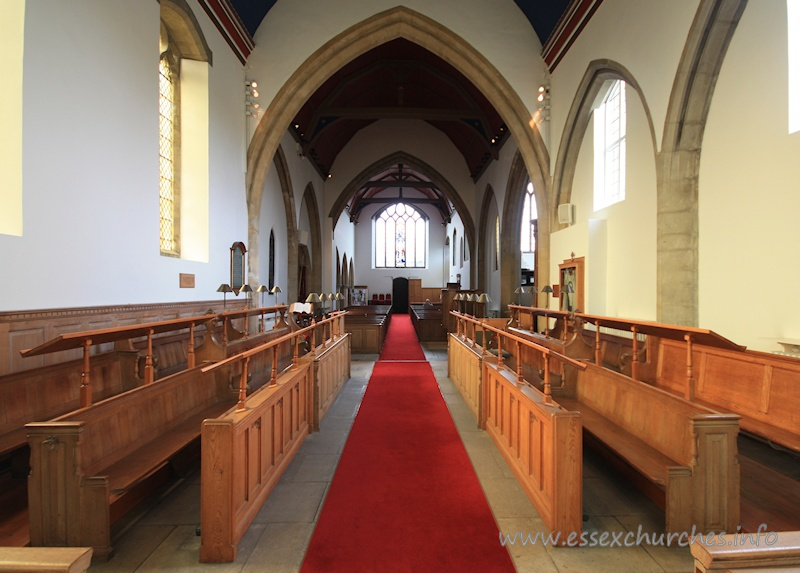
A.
pixel 401 80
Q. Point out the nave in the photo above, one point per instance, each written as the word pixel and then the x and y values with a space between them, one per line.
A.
pixel 163 535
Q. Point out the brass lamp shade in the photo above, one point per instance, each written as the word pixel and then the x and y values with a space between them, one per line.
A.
pixel 484 298
pixel 313 298
pixel 224 287
pixel 275 290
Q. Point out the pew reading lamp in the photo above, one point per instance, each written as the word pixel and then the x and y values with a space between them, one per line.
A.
pixel 483 300
pixel 472 297
pixel 275 290
pixel 332 298
pixel 224 288
pixel 519 291
pixel 313 299
pixel 262 289
pixel 458 298
pixel 339 297
pixel 248 291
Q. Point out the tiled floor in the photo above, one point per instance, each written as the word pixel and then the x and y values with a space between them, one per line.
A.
pixel 164 538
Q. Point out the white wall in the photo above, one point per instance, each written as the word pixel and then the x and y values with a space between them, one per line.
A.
pixel 90 162
pixel 629 267
pixel 749 197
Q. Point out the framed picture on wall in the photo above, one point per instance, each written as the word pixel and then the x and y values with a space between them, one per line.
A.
pixel 359 296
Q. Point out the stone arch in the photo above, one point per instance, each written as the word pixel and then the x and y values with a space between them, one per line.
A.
pixel 398 22
pixel 511 219
pixel 315 272
pixel 678 162
pixel 418 165
pixel 580 114
pixel 482 256
pixel 338 271
pixel 279 159
pixel 185 30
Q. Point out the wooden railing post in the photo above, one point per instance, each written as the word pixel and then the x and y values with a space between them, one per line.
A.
pixel 86 383
pixel 519 363
pixel 499 351
pixel 689 394
pixel 243 385
pixel 149 374
pixel 274 378
pixel 190 358
pixel 296 352
pixel 635 362
pixel 547 396
pixel 598 354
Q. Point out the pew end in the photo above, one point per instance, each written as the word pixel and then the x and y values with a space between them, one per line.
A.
pixel 748 552
pixel 50 559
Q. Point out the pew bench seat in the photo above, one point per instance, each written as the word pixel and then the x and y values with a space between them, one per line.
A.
pixel 150 457
pixel 645 459
pixel 668 447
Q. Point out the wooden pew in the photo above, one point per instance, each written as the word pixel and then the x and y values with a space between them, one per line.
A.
pixel 216 348
pixel 753 552
pixel 245 451
pixel 50 391
pixel 540 440
pixel 686 451
pixel 427 322
pixel 762 388
pixel 86 466
pixel 706 368
pixel 368 332
pixel 45 559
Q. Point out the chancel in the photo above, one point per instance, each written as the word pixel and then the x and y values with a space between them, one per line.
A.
pixel 507 236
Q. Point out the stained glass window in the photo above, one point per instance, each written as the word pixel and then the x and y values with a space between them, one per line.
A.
pixel 400 237
pixel 166 152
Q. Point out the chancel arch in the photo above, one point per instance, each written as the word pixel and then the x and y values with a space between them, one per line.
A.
pixel 399 22
pixel 412 162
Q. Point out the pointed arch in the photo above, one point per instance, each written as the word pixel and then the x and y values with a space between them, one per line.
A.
pixel 285 181
pixel 580 114
pixel 483 256
pixel 510 224
pixel 418 165
pixel 398 22
pixel 338 283
pixel 679 160
pixel 315 271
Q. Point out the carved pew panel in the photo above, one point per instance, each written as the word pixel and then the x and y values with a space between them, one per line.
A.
pixel 50 391
pixel 244 453
pixel 762 388
pixel 541 443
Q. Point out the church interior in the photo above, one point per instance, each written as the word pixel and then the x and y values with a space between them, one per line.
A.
pixel 247 212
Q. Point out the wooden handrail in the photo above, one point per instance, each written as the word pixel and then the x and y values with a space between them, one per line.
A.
pixel 88 338
pixel 547 353
pixel 294 336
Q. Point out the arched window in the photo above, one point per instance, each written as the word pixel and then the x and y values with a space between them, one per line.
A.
pixel 183 133
pixel 453 245
pixel 271 258
pixel 168 143
pixel 527 235
pixel 496 243
pixel 401 237
pixel 609 147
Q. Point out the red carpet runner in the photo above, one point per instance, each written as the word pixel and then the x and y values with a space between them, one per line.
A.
pixel 405 496
pixel 401 341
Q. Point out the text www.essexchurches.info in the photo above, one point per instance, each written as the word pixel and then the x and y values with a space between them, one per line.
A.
pixel 631 539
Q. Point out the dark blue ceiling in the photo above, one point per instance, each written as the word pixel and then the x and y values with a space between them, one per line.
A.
pixel 542 14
